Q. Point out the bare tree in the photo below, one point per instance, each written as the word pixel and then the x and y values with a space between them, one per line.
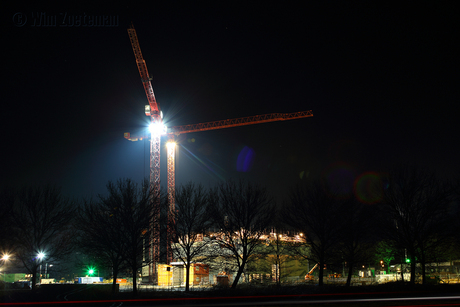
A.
pixel 116 228
pixel 191 222
pixel 355 235
pixel 42 227
pixel 100 235
pixel 135 210
pixel 278 254
pixel 415 204
pixel 314 209
pixel 241 211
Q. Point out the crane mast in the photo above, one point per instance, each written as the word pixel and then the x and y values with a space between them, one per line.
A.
pixel 153 111
pixel 171 151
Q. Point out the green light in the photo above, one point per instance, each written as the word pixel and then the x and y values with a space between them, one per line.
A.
pixel 407 260
pixel 91 271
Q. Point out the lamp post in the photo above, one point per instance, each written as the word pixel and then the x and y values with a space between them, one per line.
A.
pixel 40 256
pixel 46 269
pixel 5 258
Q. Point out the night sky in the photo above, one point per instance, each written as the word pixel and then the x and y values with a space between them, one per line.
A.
pixel 380 78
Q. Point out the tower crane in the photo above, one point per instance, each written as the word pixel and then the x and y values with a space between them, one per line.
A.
pixel 153 110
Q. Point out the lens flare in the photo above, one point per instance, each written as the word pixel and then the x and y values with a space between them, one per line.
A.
pixel 340 178
pixel 303 174
pixel 245 159
pixel 367 188
pixel 157 128
pixel 206 166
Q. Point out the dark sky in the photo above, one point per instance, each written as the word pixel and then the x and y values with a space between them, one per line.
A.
pixel 380 78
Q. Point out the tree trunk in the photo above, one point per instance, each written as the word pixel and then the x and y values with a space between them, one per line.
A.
pixel 238 275
pixel 422 263
pixel 34 278
pixel 114 282
pixel 350 274
pixel 134 268
pixel 187 276
pixel 403 268
pixel 321 273
pixel 412 270
pixel 279 273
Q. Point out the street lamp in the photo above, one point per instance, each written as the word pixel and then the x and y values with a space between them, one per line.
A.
pixel 91 271
pixel 40 256
pixel 5 258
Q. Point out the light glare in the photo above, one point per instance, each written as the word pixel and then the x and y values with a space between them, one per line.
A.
pixel 171 145
pixel 157 128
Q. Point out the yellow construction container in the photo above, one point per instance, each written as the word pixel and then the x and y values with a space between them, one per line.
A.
pixel 174 275
pixel 165 275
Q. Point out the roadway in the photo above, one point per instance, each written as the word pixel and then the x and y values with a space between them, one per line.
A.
pixel 329 300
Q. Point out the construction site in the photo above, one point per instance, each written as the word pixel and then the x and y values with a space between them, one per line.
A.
pixel 171 273
pixel 162 273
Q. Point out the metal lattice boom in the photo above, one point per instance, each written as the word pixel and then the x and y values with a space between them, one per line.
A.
pixel 236 122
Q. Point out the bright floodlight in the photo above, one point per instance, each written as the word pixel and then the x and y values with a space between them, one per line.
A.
pixel 41 255
pixel 171 145
pixel 5 257
pixel 157 128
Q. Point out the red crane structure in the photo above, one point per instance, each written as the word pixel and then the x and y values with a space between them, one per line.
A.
pixel 153 110
pixel 156 122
